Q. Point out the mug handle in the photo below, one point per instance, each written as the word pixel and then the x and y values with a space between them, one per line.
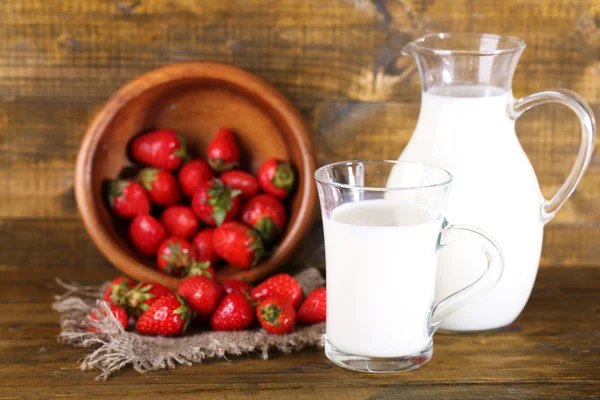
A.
pixel 588 130
pixel 477 289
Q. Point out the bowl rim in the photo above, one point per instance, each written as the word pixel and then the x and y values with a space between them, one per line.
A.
pixel 272 98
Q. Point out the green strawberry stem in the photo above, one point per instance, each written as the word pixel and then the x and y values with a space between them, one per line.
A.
pixel 220 165
pixel 284 177
pixel 178 259
pixel 221 196
pixel 119 293
pixel 256 246
pixel 137 297
pixel 146 177
pixel 267 229
pixel 271 313
pixel 115 189
pixel 184 311
pixel 182 151
pixel 198 269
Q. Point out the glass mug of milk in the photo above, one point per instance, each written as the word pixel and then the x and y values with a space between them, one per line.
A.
pixel 381 246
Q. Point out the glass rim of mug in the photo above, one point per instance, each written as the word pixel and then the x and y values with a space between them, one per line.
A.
pixel 420 44
pixel 443 182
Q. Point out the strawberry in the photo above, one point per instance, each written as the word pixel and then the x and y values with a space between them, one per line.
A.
pixel 242 181
pixel 203 243
pixel 281 285
pixel 276 177
pixel 127 198
pixel 314 308
pixel 192 174
pixel 215 202
pixel 161 148
pixel 202 293
pixel 141 297
pixel 237 244
pixel 234 313
pixel 235 285
pixel 180 221
pixel 117 289
pixel 146 234
pixel 167 316
pixel 200 268
pixel 161 186
pixel 116 311
pixel 266 214
pixel 276 315
pixel 222 152
pixel 174 255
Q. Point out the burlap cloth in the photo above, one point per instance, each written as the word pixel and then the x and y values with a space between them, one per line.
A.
pixel 114 348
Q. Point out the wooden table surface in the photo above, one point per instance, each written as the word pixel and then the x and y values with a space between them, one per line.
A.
pixel 551 351
pixel 339 62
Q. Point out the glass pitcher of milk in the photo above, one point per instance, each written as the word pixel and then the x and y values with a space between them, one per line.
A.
pixel 467 126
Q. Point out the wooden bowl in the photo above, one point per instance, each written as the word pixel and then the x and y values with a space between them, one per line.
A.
pixel 196 99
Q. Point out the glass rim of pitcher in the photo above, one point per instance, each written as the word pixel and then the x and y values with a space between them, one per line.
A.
pixel 517 44
pixel 443 182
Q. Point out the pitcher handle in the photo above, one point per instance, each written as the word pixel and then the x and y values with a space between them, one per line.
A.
pixel 477 289
pixel 588 130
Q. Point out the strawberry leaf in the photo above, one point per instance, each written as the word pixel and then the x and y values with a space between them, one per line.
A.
pixel 256 247
pixel 267 229
pixel 220 198
pixel 284 177
pixel 271 313
pixel 115 189
pixel 199 269
pixel 221 165
pixel 146 177
pixel 184 312
pixel 182 150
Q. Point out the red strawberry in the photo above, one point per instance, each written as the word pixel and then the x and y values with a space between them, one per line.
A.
pixel 235 285
pixel 161 148
pixel 314 308
pixel 192 174
pixel 203 243
pixel 266 214
pixel 146 234
pixel 180 221
pixel 242 181
pixel 127 198
pixel 237 244
pixel 174 255
pixel 116 311
pixel 117 289
pixel 200 268
pixel 202 293
pixel 141 297
pixel 222 152
pixel 281 285
pixel 276 315
pixel 167 316
pixel 276 177
pixel 234 313
pixel 215 202
pixel 161 186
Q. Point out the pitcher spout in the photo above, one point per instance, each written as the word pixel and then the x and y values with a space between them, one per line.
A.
pixel 465 59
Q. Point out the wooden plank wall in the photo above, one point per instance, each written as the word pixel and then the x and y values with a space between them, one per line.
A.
pixel 337 60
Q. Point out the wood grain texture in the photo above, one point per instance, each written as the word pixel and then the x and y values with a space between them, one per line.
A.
pixel 551 351
pixel 338 61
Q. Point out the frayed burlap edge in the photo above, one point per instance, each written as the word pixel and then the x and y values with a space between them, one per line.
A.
pixel 115 348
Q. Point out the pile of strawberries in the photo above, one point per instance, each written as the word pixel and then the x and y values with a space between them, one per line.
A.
pixel 173 197
pixel 191 215
pixel 229 306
